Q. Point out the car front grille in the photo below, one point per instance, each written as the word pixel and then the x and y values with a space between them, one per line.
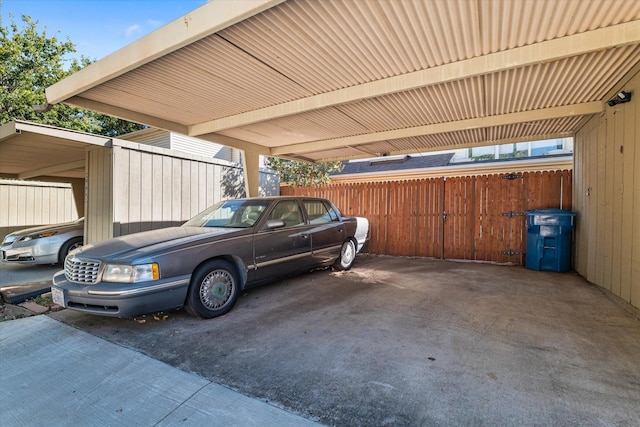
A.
pixel 81 270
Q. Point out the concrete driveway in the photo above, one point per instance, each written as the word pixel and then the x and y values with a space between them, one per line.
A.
pixel 399 341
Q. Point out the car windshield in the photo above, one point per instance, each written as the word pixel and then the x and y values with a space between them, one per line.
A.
pixel 230 214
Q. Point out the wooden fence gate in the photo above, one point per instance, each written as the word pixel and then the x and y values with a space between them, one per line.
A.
pixel 474 217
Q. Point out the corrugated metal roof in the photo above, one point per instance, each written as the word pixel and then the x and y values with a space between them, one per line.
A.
pixel 321 80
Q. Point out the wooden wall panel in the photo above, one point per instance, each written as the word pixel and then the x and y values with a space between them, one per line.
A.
pixel 607 198
pixel 100 188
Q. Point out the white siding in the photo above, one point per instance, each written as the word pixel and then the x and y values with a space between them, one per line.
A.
pixel 186 144
pixel 155 137
pixel 200 147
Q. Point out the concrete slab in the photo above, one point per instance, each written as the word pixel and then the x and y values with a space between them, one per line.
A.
pixel 54 374
pixel 400 341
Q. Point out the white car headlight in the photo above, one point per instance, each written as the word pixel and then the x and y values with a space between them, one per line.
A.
pixel 122 273
pixel 38 235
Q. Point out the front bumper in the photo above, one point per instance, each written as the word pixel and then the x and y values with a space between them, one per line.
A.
pixel 29 254
pixel 17 256
pixel 121 299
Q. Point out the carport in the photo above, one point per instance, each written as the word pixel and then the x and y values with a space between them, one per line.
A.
pixel 319 81
pixel 29 150
pixel 120 186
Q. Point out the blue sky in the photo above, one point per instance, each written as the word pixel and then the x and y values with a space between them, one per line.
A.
pixel 98 27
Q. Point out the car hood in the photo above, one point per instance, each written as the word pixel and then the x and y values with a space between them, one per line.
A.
pixel 56 227
pixel 147 243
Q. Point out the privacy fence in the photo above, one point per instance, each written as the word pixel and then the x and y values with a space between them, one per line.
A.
pixel 478 218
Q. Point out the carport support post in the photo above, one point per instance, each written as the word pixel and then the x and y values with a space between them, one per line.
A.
pixel 77 187
pixel 251 166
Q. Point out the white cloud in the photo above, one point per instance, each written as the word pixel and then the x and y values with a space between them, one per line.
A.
pixel 154 23
pixel 133 31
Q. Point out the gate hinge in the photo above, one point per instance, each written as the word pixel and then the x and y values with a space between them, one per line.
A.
pixel 511 176
pixel 511 252
pixel 511 214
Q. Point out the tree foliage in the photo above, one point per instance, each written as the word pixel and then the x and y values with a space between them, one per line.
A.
pixel 31 61
pixel 303 174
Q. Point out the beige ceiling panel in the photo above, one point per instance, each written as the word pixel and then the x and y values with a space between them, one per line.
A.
pixel 439 141
pixel 328 45
pixel 240 74
pixel 570 81
pixel 316 125
pixel 191 81
pixel 136 96
pixel 510 24
pixel 542 129
pixel 26 152
pixel 436 104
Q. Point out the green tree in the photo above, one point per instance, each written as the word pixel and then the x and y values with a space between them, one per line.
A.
pixel 303 174
pixel 31 61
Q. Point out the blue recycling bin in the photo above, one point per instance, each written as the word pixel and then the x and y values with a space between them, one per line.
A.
pixel 549 233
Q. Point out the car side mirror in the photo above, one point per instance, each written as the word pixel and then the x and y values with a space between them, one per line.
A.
pixel 272 224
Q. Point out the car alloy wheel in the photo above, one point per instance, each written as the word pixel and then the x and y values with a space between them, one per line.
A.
pixel 214 289
pixel 347 255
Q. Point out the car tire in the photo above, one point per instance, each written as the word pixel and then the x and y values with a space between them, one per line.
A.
pixel 214 290
pixel 347 256
pixel 69 245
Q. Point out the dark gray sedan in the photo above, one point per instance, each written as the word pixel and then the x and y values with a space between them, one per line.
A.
pixel 203 265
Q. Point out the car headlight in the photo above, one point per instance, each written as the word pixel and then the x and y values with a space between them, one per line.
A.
pixel 123 273
pixel 38 236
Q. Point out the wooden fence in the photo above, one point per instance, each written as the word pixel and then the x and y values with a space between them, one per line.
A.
pixel 474 217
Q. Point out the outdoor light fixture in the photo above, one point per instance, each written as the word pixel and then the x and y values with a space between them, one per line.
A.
pixel 620 98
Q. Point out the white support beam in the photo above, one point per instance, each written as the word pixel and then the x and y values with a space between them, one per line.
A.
pixel 125 114
pixel 17 127
pixel 583 109
pixel 547 51
pixel 202 22
pixel 251 166
pixel 52 169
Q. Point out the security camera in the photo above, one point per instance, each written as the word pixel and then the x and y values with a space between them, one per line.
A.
pixel 620 98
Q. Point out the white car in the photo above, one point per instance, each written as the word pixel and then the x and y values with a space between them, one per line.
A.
pixel 47 244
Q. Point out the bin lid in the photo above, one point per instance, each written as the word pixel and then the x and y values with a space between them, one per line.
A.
pixel 557 212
